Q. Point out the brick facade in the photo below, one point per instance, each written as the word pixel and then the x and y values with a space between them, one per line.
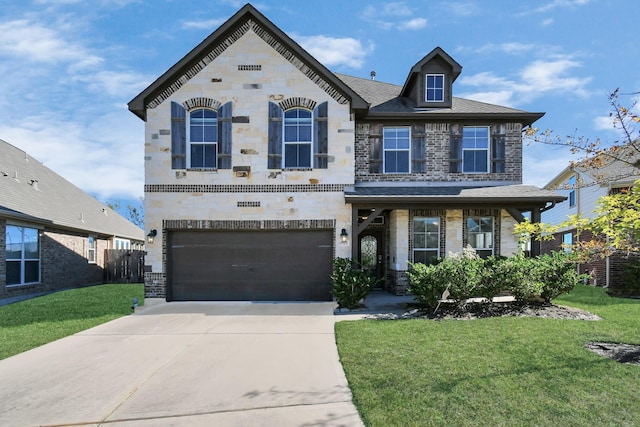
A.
pixel 63 263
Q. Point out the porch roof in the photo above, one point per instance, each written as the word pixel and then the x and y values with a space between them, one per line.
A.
pixel 503 196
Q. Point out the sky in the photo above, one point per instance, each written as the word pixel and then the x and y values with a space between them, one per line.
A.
pixel 68 68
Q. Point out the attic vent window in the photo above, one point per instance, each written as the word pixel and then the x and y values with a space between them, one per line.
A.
pixel 249 67
pixel 434 88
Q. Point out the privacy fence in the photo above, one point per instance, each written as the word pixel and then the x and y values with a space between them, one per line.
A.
pixel 124 266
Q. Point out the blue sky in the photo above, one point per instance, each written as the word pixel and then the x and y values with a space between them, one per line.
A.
pixel 69 67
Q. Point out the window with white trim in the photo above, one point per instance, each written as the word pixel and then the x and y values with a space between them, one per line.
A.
pixel 572 191
pixel 396 144
pixel 22 255
pixel 298 138
pixel 203 139
pixel 475 149
pixel 567 242
pixel 434 88
pixel 426 239
pixel 480 234
pixel 91 250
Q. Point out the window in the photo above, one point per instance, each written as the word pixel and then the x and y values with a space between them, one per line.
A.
pixel 567 242
pixel 434 88
pixel 298 125
pixel 426 239
pixel 91 250
pixel 396 143
pixel 121 243
pixel 572 191
pixel 23 255
pixel 480 234
pixel 475 149
pixel 203 138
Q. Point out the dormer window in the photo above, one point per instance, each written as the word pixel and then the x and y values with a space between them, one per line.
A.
pixel 434 88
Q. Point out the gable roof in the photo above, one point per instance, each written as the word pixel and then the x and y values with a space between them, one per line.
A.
pixel 31 192
pixel 611 171
pixel 247 18
pixel 386 101
pixel 415 71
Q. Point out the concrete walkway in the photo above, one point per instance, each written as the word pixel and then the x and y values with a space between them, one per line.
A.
pixel 186 364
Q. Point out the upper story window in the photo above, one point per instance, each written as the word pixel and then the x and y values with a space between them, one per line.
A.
pixel 475 149
pixel 298 138
pixel 426 239
pixel 22 255
pixel 396 144
pixel 434 88
pixel 203 139
pixel 572 191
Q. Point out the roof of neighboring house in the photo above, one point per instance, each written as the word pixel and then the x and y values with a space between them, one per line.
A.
pixel 385 101
pixel 512 195
pixel 31 192
pixel 612 171
pixel 219 40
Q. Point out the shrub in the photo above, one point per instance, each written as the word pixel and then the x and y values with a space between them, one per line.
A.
pixel 350 284
pixel 559 274
pixel 426 284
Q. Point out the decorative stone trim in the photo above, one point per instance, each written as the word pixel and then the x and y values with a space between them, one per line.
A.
pixel 201 102
pixel 257 188
pixel 261 32
pixel 298 102
pixel 256 67
pixel 248 204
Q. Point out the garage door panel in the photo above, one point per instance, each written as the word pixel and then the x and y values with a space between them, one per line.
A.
pixel 250 265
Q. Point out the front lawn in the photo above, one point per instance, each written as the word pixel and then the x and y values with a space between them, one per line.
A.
pixel 28 324
pixel 497 371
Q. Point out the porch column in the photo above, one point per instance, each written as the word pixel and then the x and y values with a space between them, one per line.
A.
pixel 536 216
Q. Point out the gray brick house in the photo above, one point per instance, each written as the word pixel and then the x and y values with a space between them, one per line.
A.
pixel 52 234
pixel 261 166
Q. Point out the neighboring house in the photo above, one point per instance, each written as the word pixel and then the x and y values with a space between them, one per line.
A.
pixel 52 234
pixel 583 186
pixel 261 166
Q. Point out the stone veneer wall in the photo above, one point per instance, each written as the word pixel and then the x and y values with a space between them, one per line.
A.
pixel 3 258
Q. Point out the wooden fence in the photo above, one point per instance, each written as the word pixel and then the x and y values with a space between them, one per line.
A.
pixel 123 266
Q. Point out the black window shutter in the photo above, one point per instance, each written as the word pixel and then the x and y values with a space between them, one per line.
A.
pixel 498 149
pixel 178 136
pixel 455 148
pixel 275 136
pixel 321 142
pixel 375 148
pixel 418 152
pixel 224 136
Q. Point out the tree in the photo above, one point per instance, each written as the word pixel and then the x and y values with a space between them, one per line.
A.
pixel 135 214
pixel 616 227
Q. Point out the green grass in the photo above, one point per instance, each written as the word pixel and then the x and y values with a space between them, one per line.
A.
pixel 28 324
pixel 495 372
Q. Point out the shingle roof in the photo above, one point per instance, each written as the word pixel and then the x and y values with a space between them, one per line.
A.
pixel 32 192
pixel 385 99
pixel 518 195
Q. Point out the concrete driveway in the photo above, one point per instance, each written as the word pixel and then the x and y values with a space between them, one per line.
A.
pixel 186 363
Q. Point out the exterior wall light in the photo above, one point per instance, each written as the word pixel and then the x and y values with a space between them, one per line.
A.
pixel 343 235
pixel 152 235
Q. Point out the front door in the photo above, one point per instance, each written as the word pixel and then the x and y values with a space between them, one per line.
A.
pixel 371 253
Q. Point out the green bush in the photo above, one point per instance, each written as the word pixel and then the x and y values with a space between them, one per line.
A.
pixel 467 276
pixel 349 283
pixel 426 283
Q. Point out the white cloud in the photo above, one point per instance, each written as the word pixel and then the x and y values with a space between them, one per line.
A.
pixel 537 79
pixel 104 157
pixel 210 24
pixel 512 48
pixel 334 52
pixel 414 24
pixel 34 42
pixel 547 22
pixel 391 15
pixel 559 4
pixel 463 9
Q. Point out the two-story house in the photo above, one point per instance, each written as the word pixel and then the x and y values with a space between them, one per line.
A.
pixel 583 184
pixel 262 166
